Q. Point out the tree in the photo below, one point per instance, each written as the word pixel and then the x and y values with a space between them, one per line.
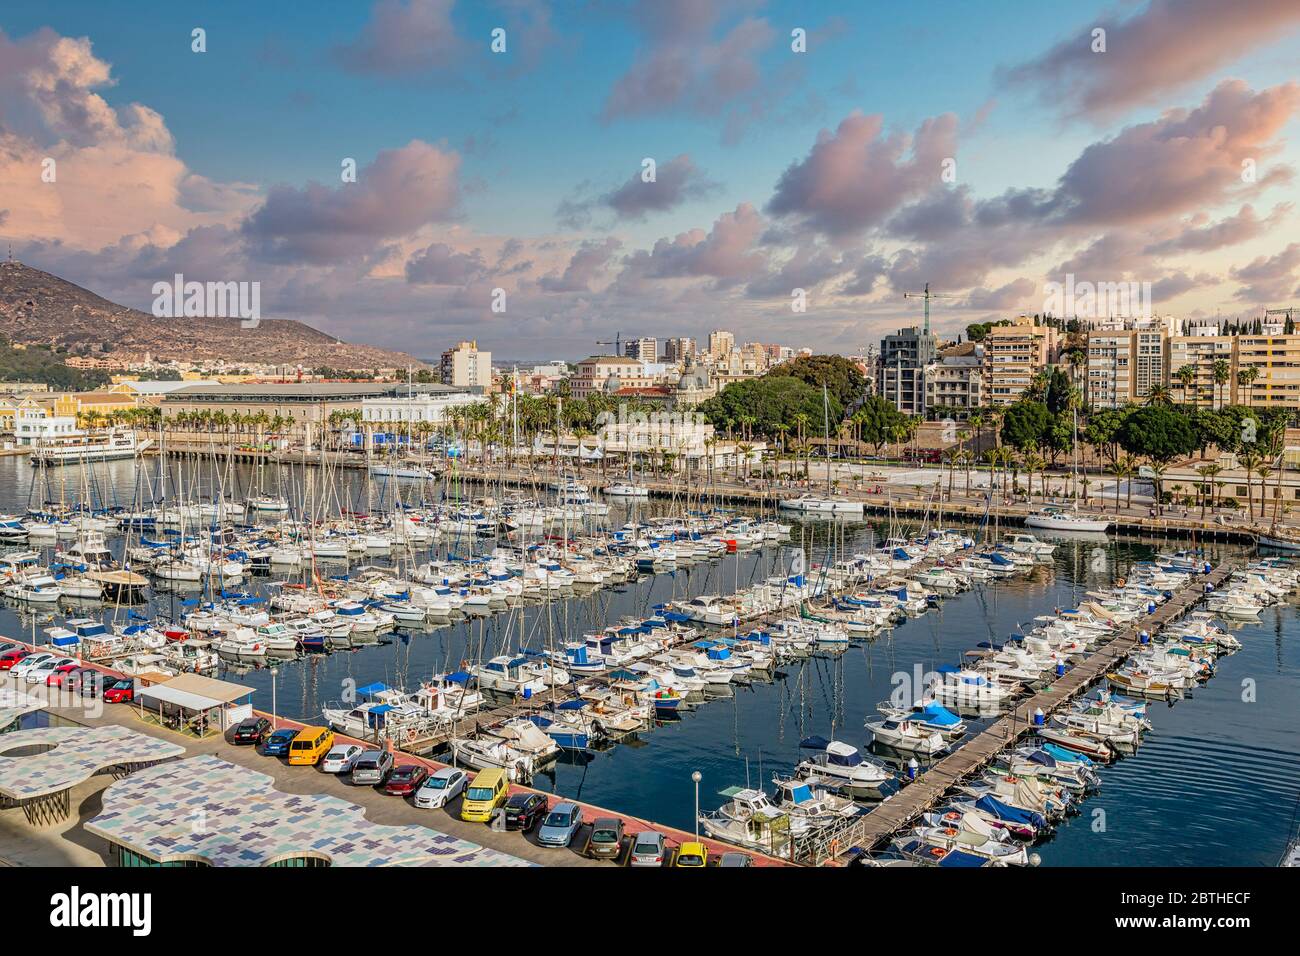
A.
pixel 1208 473
pixel 1059 392
pixel 844 382
pixel 1122 470
pixel 1026 424
pixel 880 421
pixel 1103 428
pixel 1222 376
pixel 1186 375
pixel 1157 432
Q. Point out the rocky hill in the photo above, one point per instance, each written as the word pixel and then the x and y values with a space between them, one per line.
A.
pixel 37 308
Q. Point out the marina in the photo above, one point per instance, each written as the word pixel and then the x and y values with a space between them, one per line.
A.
pixel 790 618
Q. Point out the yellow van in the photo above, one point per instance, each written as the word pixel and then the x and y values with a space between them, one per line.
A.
pixel 310 745
pixel 488 790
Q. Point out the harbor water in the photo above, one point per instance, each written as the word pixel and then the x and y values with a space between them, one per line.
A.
pixel 1215 782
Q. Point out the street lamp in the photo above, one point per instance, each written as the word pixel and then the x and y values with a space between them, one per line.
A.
pixel 696 777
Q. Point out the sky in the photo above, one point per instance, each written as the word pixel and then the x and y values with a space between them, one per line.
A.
pixel 812 161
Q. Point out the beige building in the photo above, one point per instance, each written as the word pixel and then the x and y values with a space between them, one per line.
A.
pixel 466 367
pixel 643 349
pixel 679 350
pixel 1013 354
pixel 1276 360
pixel 721 342
pixel 1126 359
pixel 601 373
pixel 1198 349
pixel 954 388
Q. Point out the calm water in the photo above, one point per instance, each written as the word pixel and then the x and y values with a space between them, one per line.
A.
pixel 1215 783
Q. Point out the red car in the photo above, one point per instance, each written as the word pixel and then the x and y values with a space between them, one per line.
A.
pixel 9 658
pixel 120 691
pixel 61 674
pixel 405 780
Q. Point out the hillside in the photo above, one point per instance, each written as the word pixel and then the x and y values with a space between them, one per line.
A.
pixel 37 308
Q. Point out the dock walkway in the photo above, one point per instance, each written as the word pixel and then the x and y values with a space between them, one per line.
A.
pixel 872 829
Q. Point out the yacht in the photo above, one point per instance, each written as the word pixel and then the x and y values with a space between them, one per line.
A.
pixel 1065 519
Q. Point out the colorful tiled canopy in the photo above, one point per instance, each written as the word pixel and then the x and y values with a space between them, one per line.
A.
pixel 77 754
pixel 206 809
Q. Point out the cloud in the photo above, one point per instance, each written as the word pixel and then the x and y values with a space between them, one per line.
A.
pixel 440 264
pixel 1174 285
pixel 681 65
pixel 1229 231
pixel 725 253
pixel 1270 278
pixel 676 182
pixel 855 177
pixel 404 38
pixel 1160 48
pixel 400 191
pixel 588 262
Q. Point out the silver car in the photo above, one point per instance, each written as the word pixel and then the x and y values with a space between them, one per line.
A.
pixel 649 848
pixel 441 788
pixel 372 768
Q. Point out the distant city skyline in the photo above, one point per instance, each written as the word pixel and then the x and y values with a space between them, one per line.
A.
pixel 850 151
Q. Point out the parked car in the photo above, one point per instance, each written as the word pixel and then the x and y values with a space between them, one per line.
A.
pixel 121 691
pixel 649 848
pixel 341 758
pixel 372 768
pixel 488 791
pixel 406 779
pixel 59 676
pixel 11 657
pixel 277 745
pixel 605 842
pixel 735 859
pixel 251 730
pixel 560 825
pixel 7 646
pixel 40 673
pixel 29 661
pixel 441 788
pixel 525 810
pixel 692 854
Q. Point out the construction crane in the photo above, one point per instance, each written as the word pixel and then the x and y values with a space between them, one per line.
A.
pixel 927 295
pixel 617 343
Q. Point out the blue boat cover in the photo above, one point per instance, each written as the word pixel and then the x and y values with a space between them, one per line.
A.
pixel 378 687
pixel 1008 813
pixel 814 743
pixel 459 677
pixel 939 716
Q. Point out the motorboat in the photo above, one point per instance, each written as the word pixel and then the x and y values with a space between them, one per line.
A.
pixel 903 734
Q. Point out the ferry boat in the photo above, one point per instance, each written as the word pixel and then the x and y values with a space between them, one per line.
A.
pixel 74 449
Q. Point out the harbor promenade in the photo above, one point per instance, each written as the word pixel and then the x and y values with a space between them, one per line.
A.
pixel 873 829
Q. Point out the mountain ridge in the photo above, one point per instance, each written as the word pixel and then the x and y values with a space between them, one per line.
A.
pixel 40 308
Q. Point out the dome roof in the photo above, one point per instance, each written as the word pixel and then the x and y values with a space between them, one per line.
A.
pixel 613 384
pixel 693 379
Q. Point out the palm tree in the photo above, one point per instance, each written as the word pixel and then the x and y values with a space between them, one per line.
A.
pixel 1186 375
pixel 1208 474
pixel 1246 380
pixel 1250 462
pixel 1158 481
pixel 1034 462
pixel 1158 394
pixel 1132 466
pixel 1222 376
pixel 1121 470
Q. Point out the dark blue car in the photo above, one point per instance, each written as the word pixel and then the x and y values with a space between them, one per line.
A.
pixel 277 745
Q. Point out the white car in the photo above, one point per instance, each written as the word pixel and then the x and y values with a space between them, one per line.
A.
pixel 341 758
pixel 440 788
pixel 29 662
pixel 39 673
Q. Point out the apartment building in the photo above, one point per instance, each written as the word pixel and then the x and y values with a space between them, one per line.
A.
pixel 679 350
pixel 721 342
pixel 1013 354
pixel 1126 359
pixel 1275 359
pixel 954 387
pixel 465 366
pixel 1198 349
pixel 643 349
pixel 904 356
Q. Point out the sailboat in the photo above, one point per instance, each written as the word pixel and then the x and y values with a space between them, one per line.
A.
pixel 828 505
pixel 1053 518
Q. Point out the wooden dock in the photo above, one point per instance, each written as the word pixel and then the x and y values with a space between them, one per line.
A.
pixel 872 829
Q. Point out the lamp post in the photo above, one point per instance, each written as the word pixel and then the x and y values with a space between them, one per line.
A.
pixel 696 777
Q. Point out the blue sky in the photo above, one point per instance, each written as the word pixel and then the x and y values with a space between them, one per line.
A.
pixel 277 101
